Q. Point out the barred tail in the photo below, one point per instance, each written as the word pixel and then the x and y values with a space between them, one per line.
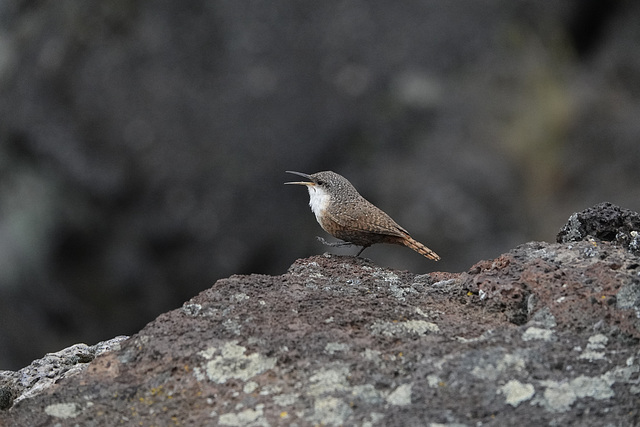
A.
pixel 420 248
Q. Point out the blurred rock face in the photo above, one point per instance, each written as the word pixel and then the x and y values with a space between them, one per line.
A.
pixel 143 144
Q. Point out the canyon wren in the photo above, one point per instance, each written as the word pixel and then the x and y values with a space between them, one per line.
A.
pixel 342 212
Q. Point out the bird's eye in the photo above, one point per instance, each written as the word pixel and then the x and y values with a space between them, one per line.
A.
pixel 320 182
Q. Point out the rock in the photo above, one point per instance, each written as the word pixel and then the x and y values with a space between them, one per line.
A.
pixel 44 373
pixel 6 397
pixel 604 221
pixel 546 334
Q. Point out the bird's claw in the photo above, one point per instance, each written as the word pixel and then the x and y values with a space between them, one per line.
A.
pixel 333 244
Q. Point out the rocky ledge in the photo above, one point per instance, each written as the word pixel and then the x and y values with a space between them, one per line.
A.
pixel 547 334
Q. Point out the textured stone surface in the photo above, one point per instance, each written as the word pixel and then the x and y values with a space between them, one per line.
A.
pixel 547 334
pixel 604 221
pixel 43 373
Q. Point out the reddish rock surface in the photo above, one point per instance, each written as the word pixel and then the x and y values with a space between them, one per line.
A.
pixel 547 334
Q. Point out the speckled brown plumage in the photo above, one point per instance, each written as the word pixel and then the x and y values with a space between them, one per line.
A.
pixel 346 215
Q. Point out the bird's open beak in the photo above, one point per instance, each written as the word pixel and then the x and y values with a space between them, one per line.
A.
pixel 300 182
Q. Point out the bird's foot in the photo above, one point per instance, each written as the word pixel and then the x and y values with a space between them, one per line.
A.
pixel 333 244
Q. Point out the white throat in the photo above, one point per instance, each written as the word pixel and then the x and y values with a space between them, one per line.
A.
pixel 318 200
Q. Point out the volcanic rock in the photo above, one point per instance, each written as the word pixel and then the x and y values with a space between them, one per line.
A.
pixel 546 334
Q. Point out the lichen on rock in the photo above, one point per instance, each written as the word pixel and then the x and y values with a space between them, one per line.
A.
pixel 540 335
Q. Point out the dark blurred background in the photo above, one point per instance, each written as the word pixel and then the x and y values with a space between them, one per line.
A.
pixel 143 144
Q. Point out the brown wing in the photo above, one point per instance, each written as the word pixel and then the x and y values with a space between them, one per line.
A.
pixel 357 222
pixel 365 217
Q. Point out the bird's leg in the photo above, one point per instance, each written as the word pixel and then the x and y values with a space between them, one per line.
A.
pixel 334 244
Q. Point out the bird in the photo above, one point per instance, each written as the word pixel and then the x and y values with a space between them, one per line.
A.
pixel 342 212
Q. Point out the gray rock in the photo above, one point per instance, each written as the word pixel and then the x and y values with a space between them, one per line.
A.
pixel 546 334
pixel 43 373
pixel 604 221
